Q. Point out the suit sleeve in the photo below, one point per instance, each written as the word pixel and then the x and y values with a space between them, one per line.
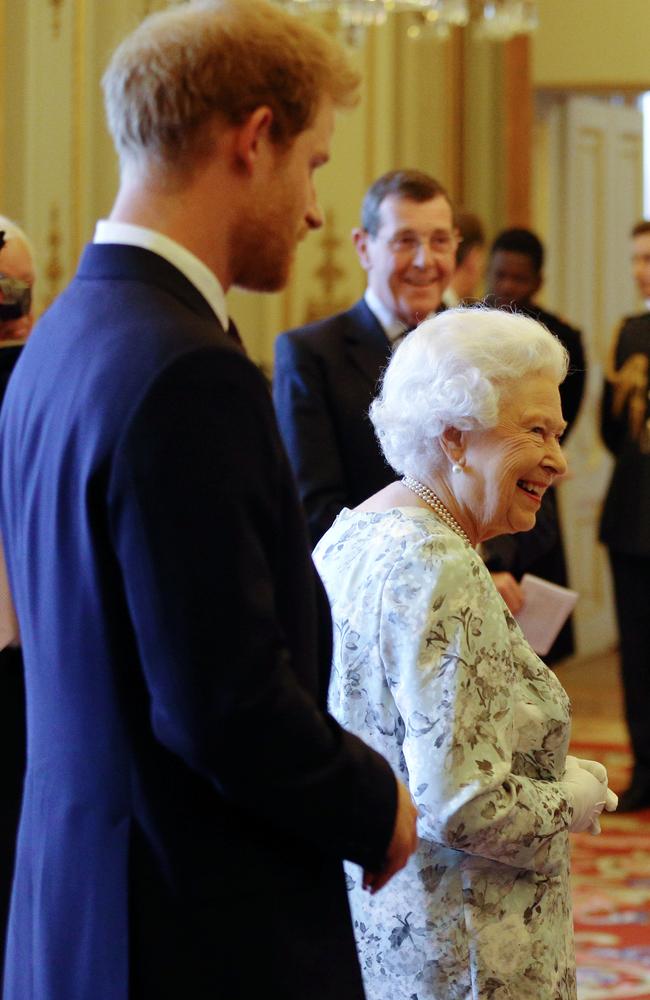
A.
pixel 195 494
pixel 307 428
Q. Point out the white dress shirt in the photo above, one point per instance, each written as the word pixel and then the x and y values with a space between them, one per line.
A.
pixel 183 259
pixel 392 327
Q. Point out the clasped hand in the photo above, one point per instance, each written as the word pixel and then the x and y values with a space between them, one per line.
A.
pixel 586 781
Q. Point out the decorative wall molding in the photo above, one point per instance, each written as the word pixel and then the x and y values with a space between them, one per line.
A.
pixel 54 270
pixel 56 6
pixel 327 275
pixel 424 104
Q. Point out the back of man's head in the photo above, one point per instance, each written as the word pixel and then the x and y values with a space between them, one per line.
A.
pixel 413 185
pixel 521 241
pixel 218 60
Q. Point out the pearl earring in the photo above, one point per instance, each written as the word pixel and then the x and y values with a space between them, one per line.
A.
pixel 456 467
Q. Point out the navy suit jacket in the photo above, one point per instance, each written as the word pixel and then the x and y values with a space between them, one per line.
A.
pixel 188 801
pixel 324 379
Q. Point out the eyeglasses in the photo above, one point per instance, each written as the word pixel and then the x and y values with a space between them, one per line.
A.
pixel 408 243
pixel 15 298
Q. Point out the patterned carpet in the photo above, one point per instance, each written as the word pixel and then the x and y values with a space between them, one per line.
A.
pixel 611 894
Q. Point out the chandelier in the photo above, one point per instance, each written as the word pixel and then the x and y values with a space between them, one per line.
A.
pixel 496 20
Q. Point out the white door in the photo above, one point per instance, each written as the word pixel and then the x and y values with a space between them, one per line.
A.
pixel 593 194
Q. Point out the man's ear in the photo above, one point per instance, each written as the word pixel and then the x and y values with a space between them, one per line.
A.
pixel 361 238
pixel 452 442
pixel 251 138
pixel 538 283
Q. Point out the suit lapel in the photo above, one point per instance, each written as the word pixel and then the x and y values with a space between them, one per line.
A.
pixel 366 344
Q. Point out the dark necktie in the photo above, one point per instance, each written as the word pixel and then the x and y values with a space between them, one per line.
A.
pixel 402 336
pixel 233 333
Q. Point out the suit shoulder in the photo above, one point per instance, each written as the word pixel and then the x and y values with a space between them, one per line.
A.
pixel 325 328
pixel 637 321
pixel 558 325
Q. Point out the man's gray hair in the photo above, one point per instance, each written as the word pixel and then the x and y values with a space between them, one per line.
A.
pixel 451 372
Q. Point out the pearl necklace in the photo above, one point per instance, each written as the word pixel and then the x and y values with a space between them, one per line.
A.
pixel 436 504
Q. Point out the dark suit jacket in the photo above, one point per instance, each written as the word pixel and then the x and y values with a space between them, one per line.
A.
pixel 187 800
pixel 12 727
pixel 540 551
pixel 325 377
pixel 625 524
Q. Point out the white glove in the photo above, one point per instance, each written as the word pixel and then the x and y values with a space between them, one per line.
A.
pixel 599 771
pixel 586 794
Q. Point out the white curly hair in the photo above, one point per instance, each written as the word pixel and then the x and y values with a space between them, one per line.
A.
pixel 452 371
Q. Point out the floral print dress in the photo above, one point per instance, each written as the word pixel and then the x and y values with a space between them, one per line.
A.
pixel 431 670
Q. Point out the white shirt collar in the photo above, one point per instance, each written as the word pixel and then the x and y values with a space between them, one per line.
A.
pixel 391 325
pixel 203 279
pixel 450 298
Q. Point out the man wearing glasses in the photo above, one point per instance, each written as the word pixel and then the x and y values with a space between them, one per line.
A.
pixel 326 373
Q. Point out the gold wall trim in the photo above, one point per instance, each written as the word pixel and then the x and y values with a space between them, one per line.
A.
pixel 518 137
pixel 455 130
pixel 79 89
pixel 327 275
pixel 630 90
pixel 370 109
pixel 56 6
pixel 54 270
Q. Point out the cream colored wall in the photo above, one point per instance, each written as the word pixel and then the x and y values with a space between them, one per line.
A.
pixel 58 171
pixel 592 43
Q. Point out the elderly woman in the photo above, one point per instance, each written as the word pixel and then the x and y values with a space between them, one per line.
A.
pixel 431 669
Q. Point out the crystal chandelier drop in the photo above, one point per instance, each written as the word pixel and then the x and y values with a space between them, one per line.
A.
pixel 496 20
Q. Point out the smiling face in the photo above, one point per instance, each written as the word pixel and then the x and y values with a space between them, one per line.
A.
pixel 410 259
pixel 508 468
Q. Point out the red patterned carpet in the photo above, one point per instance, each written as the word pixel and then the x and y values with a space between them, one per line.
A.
pixel 611 894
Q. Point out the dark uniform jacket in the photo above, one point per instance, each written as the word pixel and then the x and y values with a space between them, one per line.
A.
pixel 625 524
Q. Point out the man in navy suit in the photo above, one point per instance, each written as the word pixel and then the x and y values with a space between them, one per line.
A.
pixel 326 374
pixel 188 800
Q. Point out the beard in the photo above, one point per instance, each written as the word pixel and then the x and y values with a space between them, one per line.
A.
pixel 263 249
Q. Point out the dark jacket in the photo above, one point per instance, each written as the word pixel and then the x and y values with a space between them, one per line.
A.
pixel 325 377
pixel 187 799
pixel 625 523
